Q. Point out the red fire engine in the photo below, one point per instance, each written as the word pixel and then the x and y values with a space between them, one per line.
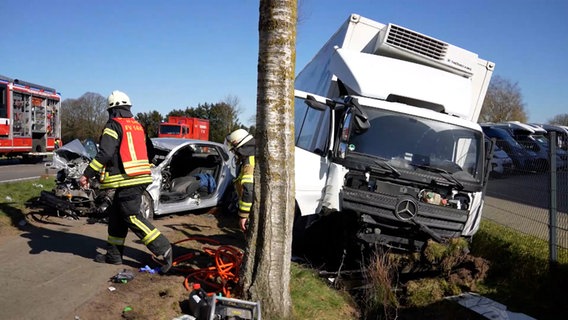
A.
pixel 184 127
pixel 30 120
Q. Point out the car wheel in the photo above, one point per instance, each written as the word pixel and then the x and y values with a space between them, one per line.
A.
pixel 147 206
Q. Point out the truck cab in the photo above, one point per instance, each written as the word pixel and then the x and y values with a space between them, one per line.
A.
pixel 184 127
pixel 386 132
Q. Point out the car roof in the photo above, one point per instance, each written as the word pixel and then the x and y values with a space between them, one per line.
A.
pixel 490 130
pixel 516 125
pixel 171 143
pixel 553 127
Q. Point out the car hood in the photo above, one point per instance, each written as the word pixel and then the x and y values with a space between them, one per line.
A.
pixel 73 150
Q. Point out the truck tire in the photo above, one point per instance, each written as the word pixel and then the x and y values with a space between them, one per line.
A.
pixel 298 233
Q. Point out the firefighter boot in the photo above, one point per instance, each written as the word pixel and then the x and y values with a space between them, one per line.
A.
pixel 112 256
pixel 167 260
pixel 162 250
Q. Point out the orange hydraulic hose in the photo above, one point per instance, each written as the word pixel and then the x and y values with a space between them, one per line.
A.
pixel 222 277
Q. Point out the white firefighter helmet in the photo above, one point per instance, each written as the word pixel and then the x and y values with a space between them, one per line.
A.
pixel 238 138
pixel 118 98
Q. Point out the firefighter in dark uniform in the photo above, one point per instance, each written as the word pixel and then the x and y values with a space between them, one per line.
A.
pixel 122 164
pixel 243 145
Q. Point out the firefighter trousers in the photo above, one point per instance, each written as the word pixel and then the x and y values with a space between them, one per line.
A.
pixel 124 214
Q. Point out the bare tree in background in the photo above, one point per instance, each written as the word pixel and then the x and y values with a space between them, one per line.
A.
pixel 503 102
pixel 560 119
pixel 230 113
pixel 235 103
pixel 266 268
pixel 223 119
pixel 84 117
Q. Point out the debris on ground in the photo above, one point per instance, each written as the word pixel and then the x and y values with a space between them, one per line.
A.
pixel 123 277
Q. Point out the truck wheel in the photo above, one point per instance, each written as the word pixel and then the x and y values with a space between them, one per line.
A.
pixel 301 240
pixel 298 231
pixel 147 206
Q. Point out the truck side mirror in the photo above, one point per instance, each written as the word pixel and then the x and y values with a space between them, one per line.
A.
pixel 361 123
pixel 313 103
pixel 361 120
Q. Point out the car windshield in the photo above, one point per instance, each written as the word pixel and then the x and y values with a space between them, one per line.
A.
pixel 170 129
pixel 410 141
pixel 505 140
pixel 541 139
pixel 91 148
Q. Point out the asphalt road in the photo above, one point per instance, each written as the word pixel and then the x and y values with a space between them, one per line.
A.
pixel 14 170
pixel 48 270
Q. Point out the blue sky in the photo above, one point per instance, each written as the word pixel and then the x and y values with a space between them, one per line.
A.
pixel 173 54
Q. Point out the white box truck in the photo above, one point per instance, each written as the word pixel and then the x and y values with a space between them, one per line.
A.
pixel 386 133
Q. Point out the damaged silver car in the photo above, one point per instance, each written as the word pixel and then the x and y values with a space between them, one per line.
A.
pixel 67 198
pixel 189 175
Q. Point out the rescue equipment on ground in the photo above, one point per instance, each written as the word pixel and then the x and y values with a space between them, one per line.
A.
pixel 223 308
pixel 198 301
pixel 220 273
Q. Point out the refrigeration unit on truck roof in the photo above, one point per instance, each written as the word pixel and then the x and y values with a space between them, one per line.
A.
pixel 368 58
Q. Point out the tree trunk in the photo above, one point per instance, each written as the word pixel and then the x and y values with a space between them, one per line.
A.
pixel 266 269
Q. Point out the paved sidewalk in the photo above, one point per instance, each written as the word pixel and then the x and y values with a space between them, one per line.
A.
pixel 48 270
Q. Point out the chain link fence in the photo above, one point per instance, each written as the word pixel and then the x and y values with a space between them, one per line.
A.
pixel 532 198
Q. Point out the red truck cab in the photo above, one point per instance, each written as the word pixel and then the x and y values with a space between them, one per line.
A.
pixel 184 127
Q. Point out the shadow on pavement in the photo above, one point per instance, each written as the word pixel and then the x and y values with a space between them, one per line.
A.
pixel 67 241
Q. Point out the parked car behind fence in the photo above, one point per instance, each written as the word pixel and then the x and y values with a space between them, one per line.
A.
pixel 523 159
pixel 501 163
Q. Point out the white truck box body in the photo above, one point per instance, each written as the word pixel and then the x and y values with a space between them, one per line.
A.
pixel 359 52
pixel 365 74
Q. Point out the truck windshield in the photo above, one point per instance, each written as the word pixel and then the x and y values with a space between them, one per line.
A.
pixel 170 129
pixel 408 141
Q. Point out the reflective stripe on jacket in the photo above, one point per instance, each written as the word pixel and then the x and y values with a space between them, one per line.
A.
pixel 108 164
pixel 133 151
pixel 244 186
pixel 124 180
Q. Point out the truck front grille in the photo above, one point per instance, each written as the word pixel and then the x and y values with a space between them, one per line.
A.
pixel 446 221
